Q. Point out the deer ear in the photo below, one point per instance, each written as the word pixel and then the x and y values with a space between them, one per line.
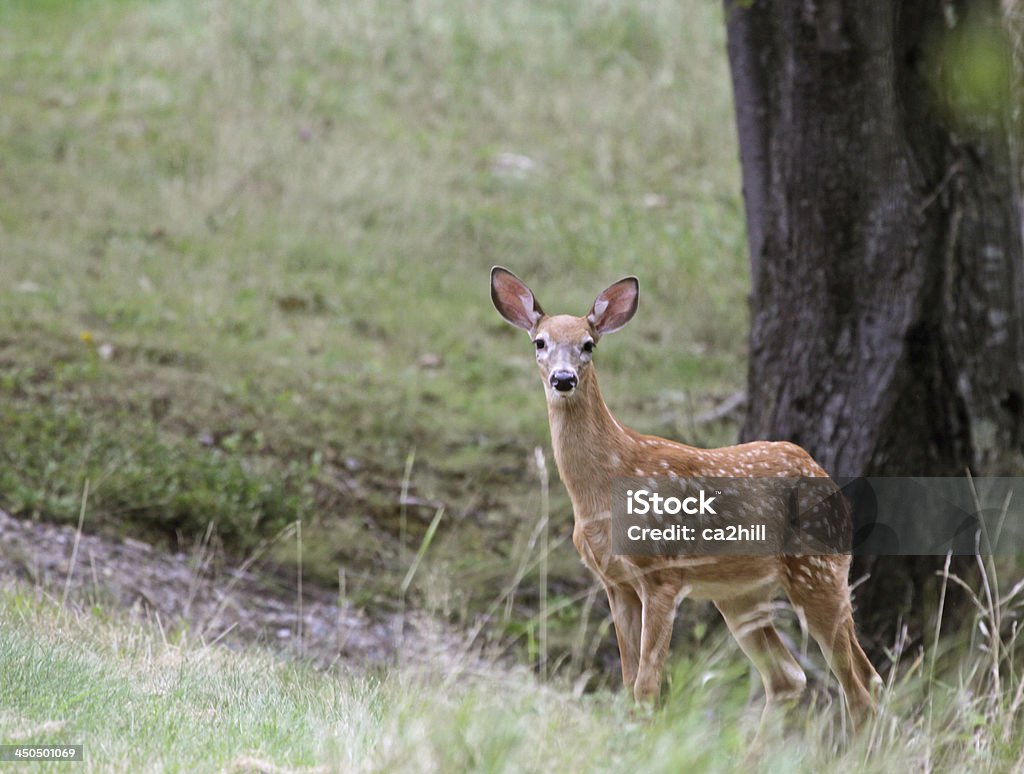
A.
pixel 615 306
pixel 513 300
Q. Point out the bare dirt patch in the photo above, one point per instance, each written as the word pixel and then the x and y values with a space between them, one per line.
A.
pixel 214 600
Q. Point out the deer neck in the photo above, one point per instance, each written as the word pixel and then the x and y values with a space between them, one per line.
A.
pixel 590 447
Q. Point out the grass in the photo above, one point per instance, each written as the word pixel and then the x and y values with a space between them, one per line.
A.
pixel 142 701
pixel 246 246
pixel 244 249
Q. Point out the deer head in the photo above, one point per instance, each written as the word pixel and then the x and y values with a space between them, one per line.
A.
pixel 564 344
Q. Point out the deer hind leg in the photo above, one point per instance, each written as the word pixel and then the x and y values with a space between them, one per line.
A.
pixel 817 587
pixel 868 676
pixel 627 615
pixel 749 620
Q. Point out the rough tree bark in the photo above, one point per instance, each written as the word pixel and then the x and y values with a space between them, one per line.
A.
pixel 885 236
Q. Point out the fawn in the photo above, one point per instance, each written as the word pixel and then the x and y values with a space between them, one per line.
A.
pixel 592 448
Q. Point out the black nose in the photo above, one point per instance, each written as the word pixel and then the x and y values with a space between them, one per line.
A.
pixel 563 381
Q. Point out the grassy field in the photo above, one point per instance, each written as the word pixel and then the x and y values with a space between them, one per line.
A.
pixel 141 701
pixel 245 252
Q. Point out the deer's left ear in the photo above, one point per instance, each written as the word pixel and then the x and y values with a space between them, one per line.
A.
pixel 615 306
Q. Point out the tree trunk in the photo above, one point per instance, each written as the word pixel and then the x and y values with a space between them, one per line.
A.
pixel 885 233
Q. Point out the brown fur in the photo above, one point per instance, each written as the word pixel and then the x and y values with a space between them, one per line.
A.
pixel 592 448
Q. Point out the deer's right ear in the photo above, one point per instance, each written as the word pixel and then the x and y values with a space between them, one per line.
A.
pixel 513 300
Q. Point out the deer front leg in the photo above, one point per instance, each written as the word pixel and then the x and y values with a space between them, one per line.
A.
pixel 627 615
pixel 659 613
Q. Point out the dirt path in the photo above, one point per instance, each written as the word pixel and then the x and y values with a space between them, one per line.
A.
pixel 217 602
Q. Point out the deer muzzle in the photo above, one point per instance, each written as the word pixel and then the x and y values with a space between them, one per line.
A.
pixel 564 381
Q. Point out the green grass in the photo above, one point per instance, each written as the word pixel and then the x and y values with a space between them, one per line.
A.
pixel 139 701
pixel 232 231
pixel 244 249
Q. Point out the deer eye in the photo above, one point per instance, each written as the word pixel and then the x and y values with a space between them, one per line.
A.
pixel 539 343
pixel 588 346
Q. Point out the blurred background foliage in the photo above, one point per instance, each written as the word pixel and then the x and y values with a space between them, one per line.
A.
pixel 244 254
